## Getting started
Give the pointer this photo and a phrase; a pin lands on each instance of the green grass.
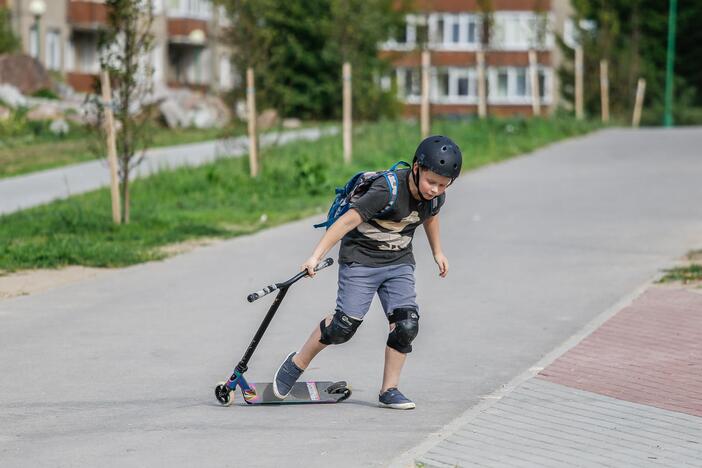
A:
(30, 153)
(685, 274)
(220, 200)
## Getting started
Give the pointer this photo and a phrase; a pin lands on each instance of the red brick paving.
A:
(648, 353)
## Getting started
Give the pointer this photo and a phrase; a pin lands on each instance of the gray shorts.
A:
(358, 284)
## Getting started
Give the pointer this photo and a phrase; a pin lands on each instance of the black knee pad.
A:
(340, 329)
(406, 329)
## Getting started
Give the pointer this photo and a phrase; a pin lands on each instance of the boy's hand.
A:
(309, 265)
(442, 263)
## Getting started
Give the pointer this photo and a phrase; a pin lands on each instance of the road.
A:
(119, 370)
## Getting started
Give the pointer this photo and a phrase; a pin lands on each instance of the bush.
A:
(46, 94)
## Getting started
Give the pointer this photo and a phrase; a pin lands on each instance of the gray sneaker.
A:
(285, 377)
(393, 398)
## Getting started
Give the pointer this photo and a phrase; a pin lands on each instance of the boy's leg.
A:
(394, 360)
(397, 295)
(311, 348)
(357, 286)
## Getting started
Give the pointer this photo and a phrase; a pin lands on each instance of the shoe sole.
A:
(400, 406)
(275, 379)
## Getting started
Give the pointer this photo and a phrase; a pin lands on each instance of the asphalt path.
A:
(37, 188)
(119, 370)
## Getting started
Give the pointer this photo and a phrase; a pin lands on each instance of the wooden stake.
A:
(111, 146)
(251, 106)
(346, 72)
(535, 93)
(579, 114)
(604, 90)
(482, 90)
(640, 92)
(425, 123)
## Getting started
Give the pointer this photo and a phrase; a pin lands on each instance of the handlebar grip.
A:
(259, 294)
(324, 263)
(274, 287)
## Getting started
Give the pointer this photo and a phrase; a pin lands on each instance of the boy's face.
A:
(431, 184)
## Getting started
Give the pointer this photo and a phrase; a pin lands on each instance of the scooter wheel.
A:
(337, 387)
(224, 395)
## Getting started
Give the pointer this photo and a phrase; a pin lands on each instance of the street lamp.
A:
(669, 62)
(197, 37)
(37, 8)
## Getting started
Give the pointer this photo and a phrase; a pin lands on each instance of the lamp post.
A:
(670, 60)
(37, 8)
(197, 38)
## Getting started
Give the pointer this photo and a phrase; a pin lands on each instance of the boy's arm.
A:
(431, 227)
(350, 220)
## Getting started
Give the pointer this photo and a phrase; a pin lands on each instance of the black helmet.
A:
(440, 155)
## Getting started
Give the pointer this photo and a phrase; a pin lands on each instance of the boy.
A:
(376, 257)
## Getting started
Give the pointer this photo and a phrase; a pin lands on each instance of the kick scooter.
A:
(262, 392)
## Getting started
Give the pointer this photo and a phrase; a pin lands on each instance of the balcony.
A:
(87, 15)
(81, 82)
(179, 29)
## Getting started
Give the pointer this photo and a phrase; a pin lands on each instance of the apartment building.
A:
(451, 30)
(188, 52)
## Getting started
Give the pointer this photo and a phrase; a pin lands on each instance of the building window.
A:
(512, 85)
(191, 8)
(34, 41)
(439, 36)
(408, 82)
(472, 30)
(53, 49)
(521, 78)
(542, 83)
(400, 34)
(462, 83)
(456, 32)
(443, 83)
(413, 32)
(502, 88)
(454, 84)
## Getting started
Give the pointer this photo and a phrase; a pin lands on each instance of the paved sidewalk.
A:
(37, 188)
(629, 394)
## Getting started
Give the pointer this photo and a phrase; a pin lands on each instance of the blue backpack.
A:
(357, 186)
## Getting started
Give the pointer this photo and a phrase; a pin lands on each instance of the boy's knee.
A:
(406, 328)
(339, 329)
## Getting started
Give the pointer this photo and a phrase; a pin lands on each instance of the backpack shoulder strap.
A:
(392, 181)
(400, 163)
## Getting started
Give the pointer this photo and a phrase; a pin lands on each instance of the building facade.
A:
(453, 32)
(188, 50)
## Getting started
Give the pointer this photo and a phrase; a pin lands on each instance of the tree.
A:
(297, 48)
(358, 26)
(632, 36)
(125, 46)
(9, 42)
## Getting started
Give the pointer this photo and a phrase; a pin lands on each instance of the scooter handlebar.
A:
(324, 263)
(274, 287)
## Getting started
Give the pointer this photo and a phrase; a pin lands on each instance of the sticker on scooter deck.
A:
(302, 392)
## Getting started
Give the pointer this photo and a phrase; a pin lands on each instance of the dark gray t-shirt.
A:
(387, 239)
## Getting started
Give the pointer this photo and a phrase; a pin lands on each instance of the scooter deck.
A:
(302, 392)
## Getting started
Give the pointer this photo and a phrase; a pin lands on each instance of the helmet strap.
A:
(415, 177)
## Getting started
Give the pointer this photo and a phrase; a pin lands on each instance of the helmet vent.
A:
(442, 162)
(444, 149)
